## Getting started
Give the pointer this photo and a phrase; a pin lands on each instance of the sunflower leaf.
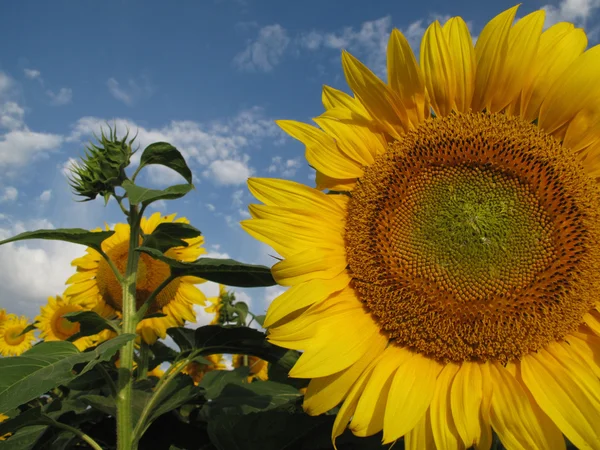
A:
(90, 323)
(170, 234)
(165, 154)
(138, 194)
(80, 236)
(46, 366)
(224, 271)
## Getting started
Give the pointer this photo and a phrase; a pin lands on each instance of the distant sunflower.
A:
(12, 342)
(452, 285)
(3, 315)
(156, 372)
(259, 368)
(95, 280)
(216, 303)
(54, 327)
(197, 370)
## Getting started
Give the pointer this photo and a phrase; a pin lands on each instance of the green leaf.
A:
(170, 234)
(25, 418)
(215, 381)
(224, 271)
(46, 366)
(183, 337)
(161, 353)
(145, 196)
(260, 319)
(80, 236)
(166, 155)
(242, 312)
(90, 323)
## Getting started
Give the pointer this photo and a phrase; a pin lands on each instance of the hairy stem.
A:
(80, 434)
(125, 383)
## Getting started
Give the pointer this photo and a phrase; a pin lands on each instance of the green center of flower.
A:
(475, 238)
(13, 335)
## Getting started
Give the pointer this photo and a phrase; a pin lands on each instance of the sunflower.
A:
(54, 327)
(3, 315)
(197, 370)
(95, 281)
(447, 284)
(259, 368)
(216, 303)
(12, 342)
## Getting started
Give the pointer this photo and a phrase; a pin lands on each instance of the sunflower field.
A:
(442, 277)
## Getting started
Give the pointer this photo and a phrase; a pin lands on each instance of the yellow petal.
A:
(370, 410)
(563, 394)
(297, 217)
(587, 348)
(490, 51)
(512, 414)
(309, 264)
(406, 79)
(383, 104)
(322, 151)
(523, 42)
(460, 45)
(323, 182)
(439, 70)
(357, 142)
(287, 193)
(324, 393)
(410, 396)
(559, 46)
(303, 295)
(443, 429)
(592, 320)
(465, 400)
(420, 437)
(333, 98)
(577, 88)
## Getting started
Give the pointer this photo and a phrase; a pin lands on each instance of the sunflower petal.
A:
(443, 429)
(465, 400)
(462, 51)
(307, 265)
(420, 437)
(333, 98)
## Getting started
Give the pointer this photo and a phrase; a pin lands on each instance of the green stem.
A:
(142, 371)
(80, 434)
(125, 383)
(113, 267)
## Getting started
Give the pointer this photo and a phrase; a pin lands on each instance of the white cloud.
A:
(130, 92)
(284, 168)
(32, 74)
(216, 254)
(19, 147)
(62, 97)
(236, 198)
(228, 172)
(11, 115)
(31, 272)
(6, 83)
(576, 11)
(265, 52)
(65, 168)
(10, 194)
(163, 176)
(210, 207)
(46, 196)
(159, 205)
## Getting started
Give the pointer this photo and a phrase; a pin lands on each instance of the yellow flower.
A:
(12, 343)
(3, 417)
(156, 372)
(197, 370)
(259, 368)
(95, 281)
(453, 287)
(54, 327)
(3, 315)
(216, 305)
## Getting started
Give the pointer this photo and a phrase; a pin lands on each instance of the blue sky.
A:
(210, 77)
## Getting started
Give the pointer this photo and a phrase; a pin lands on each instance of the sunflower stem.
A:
(150, 300)
(125, 382)
(80, 434)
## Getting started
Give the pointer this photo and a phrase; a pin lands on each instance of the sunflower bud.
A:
(103, 167)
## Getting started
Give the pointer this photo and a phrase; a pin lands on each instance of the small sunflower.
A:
(54, 327)
(447, 285)
(12, 342)
(197, 370)
(156, 372)
(3, 315)
(259, 368)
(95, 281)
(216, 303)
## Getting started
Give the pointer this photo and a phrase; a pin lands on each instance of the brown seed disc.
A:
(476, 238)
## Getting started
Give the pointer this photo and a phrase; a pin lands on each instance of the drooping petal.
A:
(587, 348)
(563, 393)
(443, 429)
(410, 396)
(406, 78)
(420, 437)
(465, 400)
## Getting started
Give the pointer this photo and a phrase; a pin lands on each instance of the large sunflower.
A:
(95, 280)
(12, 342)
(449, 284)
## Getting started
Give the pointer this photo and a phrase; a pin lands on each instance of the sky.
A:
(209, 77)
